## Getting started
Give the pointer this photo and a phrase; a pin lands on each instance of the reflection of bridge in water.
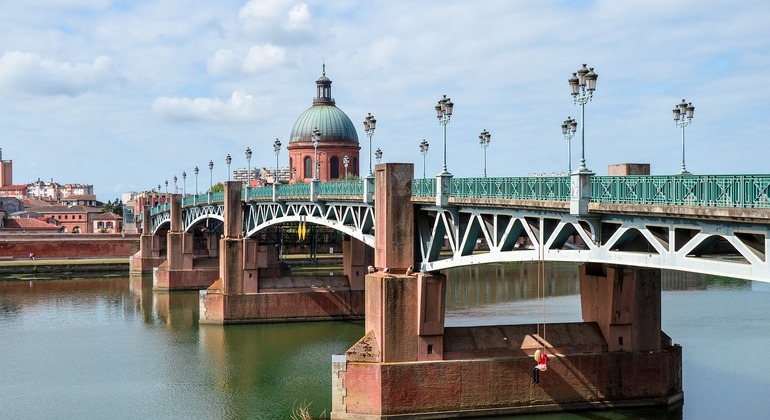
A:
(480, 285)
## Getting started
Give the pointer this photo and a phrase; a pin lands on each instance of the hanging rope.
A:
(542, 314)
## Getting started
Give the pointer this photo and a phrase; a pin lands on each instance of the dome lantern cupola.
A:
(324, 88)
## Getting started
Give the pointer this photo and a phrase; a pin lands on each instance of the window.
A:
(334, 168)
(308, 167)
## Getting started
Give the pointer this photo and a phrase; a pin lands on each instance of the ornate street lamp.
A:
(211, 176)
(683, 114)
(369, 125)
(444, 113)
(184, 184)
(248, 159)
(176, 189)
(316, 138)
(166, 187)
(346, 162)
(378, 155)
(484, 139)
(424, 150)
(582, 86)
(228, 161)
(277, 150)
(568, 128)
(195, 171)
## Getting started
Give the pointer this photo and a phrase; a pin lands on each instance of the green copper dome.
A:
(334, 125)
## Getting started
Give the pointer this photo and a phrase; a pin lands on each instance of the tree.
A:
(218, 187)
(115, 207)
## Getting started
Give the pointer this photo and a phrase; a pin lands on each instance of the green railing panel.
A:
(260, 192)
(342, 188)
(425, 187)
(550, 188)
(295, 190)
(742, 191)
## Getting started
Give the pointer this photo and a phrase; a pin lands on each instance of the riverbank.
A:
(62, 268)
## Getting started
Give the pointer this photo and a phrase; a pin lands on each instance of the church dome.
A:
(332, 122)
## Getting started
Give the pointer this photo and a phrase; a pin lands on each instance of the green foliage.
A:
(115, 207)
(351, 177)
(218, 187)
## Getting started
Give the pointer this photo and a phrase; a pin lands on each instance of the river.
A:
(113, 348)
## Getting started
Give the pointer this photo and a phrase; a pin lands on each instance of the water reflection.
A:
(107, 348)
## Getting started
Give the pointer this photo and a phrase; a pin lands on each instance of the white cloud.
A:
(299, 16)
(29, 73)
(240, 108)
(259, 57)
(270, 17)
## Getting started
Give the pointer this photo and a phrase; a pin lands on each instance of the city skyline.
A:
(126, 95)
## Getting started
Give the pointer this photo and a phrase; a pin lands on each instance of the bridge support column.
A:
(177, 272)
(149, 255)
(625, 303)
(409, 365)
(252, 287)
(356, 257)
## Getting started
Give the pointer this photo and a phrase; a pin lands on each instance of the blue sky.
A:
(127, 94)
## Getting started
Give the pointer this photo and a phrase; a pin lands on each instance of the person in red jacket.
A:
(542, 365)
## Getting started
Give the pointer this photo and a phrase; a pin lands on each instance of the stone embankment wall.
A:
(68, 246)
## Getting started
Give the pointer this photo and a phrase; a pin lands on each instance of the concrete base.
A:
(299, 304)
(583, 377)
(144, 265)
(195, 279)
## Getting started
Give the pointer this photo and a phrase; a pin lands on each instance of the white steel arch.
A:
(448, 238)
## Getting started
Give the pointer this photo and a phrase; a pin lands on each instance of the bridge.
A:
(622, 231)
(711, 224)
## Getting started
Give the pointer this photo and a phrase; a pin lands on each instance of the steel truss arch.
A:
(193, 215)
(352, 218)
(448, 238)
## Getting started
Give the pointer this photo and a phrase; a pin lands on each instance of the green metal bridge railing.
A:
(739, 191)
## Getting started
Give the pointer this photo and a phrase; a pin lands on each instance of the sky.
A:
(125, 94)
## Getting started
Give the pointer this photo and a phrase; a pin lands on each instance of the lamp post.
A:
(683, 114)
(277, 150)
(484, 139)
(316, 137)
(582, 86)
(568, 128)
(369, 125)
(424, 151)
(166, 187)
(293, 172)
(248, 174)
(228, 160)
(184, 184)
(345, 163)
(378, 155)
(176, 189)
(195, 171)
(444, 113)
(211, 176)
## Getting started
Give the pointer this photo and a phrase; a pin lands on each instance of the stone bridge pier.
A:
(410, 365)
(150, 253)
(253, 286)
(182, 269)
